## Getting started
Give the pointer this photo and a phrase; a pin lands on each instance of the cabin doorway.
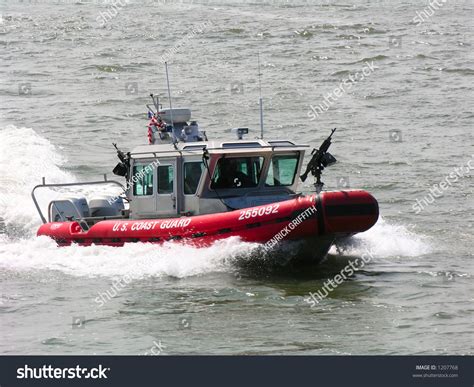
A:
(166, 190)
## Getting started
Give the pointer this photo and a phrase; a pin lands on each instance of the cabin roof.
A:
(225, 146)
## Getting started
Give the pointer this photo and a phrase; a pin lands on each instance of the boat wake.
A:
(21, 250)
(138, 260)
(35, 157)
(384, 240)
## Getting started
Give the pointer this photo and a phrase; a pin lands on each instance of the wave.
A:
(340, 73)
(460, 71)
(369, 59)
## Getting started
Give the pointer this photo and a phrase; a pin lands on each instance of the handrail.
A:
(184, 150)
(44, 185)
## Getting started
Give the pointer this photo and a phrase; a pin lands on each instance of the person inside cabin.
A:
(230, 176)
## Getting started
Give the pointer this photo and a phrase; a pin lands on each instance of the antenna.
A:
(156, 102)
(260, 101)
(169, 97)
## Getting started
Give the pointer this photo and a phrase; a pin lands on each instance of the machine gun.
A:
(320, 159)
(122, 168)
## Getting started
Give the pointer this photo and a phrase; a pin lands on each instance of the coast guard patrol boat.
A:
(185, 188)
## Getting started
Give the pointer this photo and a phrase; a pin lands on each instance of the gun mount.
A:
(320, 159)
(123, 167)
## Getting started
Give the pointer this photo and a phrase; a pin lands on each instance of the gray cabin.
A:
(181, 173)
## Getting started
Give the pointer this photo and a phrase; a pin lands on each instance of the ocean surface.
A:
(75, 77)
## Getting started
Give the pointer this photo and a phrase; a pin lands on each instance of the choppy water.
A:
(69, 87)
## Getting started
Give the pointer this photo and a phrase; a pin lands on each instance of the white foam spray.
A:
(138, 260)
(25, 157)
(385, 240)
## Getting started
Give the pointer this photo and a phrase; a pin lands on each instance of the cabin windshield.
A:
(282, 170)
(237, 172)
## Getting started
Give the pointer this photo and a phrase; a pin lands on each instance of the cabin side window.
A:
(282, 170)
(142, 179)
(237, 172)
(165, 179)
(192, 176)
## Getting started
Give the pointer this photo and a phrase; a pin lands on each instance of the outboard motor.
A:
(68, 208)
(106, 206)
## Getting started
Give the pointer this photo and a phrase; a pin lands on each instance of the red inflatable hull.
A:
(329, 214)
